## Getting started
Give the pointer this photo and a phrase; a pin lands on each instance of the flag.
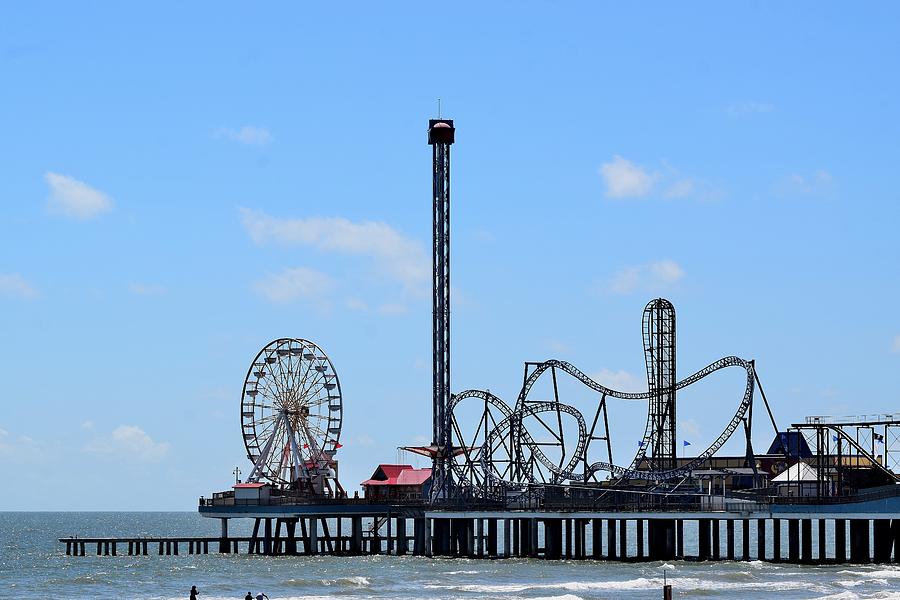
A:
(687, 443)
(338, 445)
(640, 444)
(305, 446)
(879, 438)
(834, 438)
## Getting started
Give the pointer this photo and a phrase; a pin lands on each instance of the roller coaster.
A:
(501, 454)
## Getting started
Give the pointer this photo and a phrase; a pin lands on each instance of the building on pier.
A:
(398, 483)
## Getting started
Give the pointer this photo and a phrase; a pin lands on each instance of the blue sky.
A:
(182, 184)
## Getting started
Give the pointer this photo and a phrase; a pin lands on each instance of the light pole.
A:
(237, 473)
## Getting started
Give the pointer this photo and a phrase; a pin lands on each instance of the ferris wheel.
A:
(291, 413)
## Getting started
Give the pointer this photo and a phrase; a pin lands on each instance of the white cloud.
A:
(3, 432)
(817, 183)
(689, 427)
(624, 179)
(87, 425)
(896, 345)
(146, 289)
(128, 442)
(556, 346)
(650, 277)
(13, 285)
(749, 107)
(401, 257)
(248, 134)
(72, 198)
(621, 381)
(392, 309)
(356, 304)
(300, 283)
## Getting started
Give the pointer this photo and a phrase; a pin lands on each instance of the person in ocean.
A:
(248, 596)
(194, 592)
(260, 596)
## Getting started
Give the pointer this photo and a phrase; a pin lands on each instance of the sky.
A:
(181, 184)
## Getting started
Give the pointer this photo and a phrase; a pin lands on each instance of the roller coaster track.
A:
(526, 408)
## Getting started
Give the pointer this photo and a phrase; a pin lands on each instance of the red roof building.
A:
(397, 482)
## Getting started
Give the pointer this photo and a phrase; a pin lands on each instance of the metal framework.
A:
(513, 448)
(659, 355)
(441, 135)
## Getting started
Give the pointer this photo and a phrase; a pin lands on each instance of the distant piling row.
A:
(516, 534)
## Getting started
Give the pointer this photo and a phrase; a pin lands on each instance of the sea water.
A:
(33, 564)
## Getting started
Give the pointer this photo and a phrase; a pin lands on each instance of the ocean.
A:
(34, 565)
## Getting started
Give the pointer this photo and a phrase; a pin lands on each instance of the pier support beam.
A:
(729, 539)
(224, 543)
(419, 528)
(806, 541)
(623, 539)
(553, 538)
(313, 536)
(440, 538)
(507, 538)
(822, 555)
(776, 540)
(492, 538)
(703, 527)
(793, 541)
(883, 540)
(716, 540)
(745, 539)
(610, 539)
(402, 542)
(661, 535)
(895, 532)
(267, 537)
(679, 539)
(596, 539)
(760, 539)
(355, 536)
(840, 540)
(640, 539)
(859, 540)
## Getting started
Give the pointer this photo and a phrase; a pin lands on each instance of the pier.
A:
(864, 531)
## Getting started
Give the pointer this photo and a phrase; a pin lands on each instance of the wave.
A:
(681, 584)
(350, 581)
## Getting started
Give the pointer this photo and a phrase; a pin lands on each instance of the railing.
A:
(228, 499)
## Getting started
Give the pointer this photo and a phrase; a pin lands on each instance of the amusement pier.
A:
(536, 477)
